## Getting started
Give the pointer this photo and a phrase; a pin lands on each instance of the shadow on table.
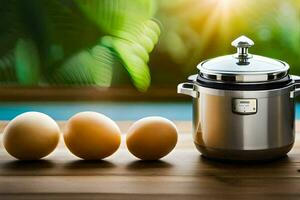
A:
(21, 165)
(145, 164)
(285, 160)
(89, 164)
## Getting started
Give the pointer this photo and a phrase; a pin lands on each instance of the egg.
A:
(31, 136)
(151, 138)
(91, 135)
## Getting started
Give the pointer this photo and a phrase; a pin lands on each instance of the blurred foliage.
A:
(76, 41)
(99, 42)
(194, 30)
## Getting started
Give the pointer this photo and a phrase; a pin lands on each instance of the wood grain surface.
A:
(183, 174)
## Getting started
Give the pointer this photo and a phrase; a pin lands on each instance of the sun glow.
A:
(226, 5)
(228, 8)
(225, 13)
(221, 14)
(208, 25)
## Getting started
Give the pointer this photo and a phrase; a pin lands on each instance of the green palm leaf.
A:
(133, 34)
(7, 70)
(114, 15)
(27, 62)
(133, 62)
(93, 66)
(58, 49)
(133, 50)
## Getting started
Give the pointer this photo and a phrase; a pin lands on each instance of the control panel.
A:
(244, 106)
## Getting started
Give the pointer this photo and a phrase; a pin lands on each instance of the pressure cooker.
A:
(243, 105)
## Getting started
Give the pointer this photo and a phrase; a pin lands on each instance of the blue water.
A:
(116, 110)
(297, 111)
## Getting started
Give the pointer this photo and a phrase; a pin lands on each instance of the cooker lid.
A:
(242, 66)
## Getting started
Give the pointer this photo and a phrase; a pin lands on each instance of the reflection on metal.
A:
(188, 89)
(242, 44)
(218, 128)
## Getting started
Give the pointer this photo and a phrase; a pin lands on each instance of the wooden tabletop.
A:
(183, 174)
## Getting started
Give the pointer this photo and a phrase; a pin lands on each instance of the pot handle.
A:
(296, 91)
(193, 77)
(188, 89)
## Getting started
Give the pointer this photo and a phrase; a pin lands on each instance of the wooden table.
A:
(183, 174)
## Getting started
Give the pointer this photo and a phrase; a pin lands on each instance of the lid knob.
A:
(242, 44)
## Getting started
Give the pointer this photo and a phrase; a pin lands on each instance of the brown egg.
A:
(151, 138)
(31, 136)
(91, 135)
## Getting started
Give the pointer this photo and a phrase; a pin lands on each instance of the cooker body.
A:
(243, 105)
(243, 125)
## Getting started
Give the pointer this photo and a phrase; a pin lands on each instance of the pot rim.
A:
(264, 85)
(245, 93)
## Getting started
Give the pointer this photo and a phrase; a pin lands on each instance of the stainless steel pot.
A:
(243, 105)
